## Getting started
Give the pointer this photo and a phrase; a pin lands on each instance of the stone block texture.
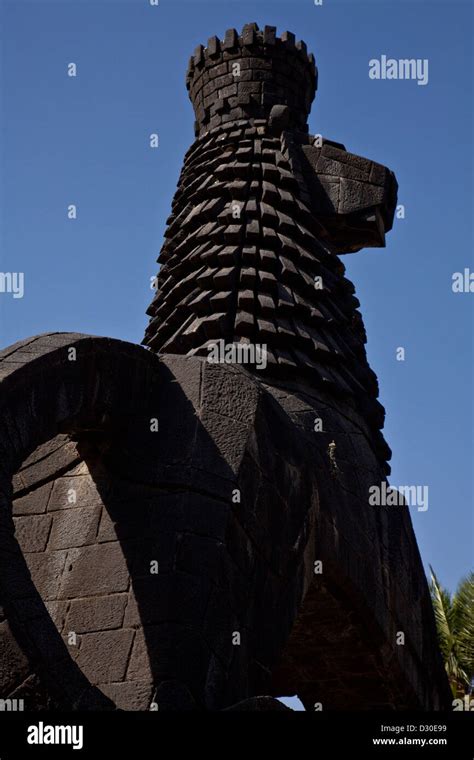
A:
(180, 533)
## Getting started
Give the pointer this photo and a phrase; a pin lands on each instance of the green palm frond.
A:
(442, 611)
(454, 616)
(463, 616)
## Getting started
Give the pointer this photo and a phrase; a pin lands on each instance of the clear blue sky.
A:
(85, 141)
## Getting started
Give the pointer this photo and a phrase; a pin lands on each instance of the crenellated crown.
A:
(244, 76)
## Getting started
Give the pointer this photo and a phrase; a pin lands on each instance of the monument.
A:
(187, 526)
